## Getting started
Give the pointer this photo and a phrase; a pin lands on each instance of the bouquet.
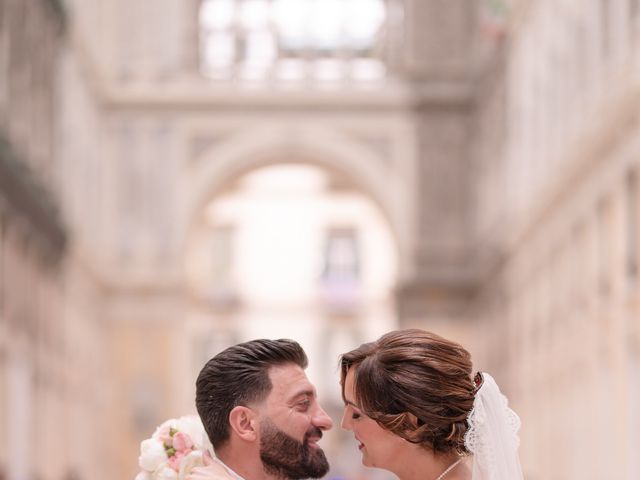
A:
(175, 448)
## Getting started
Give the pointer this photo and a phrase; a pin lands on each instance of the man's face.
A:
(291, 424)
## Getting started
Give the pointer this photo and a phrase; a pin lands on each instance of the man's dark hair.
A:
(239, 375)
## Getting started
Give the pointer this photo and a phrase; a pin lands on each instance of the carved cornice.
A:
(24, 196)
(434, 297)
(198, 95)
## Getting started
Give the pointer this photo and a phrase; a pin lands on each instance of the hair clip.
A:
(478, 380)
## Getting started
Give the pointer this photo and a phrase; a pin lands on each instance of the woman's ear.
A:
(243, 422)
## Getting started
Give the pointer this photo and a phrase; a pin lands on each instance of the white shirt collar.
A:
(231, 472)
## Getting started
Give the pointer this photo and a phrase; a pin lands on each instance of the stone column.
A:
(436, 63)
(191, 37)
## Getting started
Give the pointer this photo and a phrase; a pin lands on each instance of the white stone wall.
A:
(558, 312)
(46, 377)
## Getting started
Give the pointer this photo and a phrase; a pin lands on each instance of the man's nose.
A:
(322, 420)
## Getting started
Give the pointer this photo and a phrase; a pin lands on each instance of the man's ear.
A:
(244, 422)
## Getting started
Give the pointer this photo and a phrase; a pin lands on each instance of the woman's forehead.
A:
(348, 391)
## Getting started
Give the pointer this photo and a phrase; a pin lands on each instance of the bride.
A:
(415, 410)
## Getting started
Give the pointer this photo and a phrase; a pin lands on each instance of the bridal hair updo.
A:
(415, 384)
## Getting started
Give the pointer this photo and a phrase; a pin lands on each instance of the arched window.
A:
(293, 40)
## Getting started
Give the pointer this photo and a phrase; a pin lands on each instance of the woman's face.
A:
(379, 447)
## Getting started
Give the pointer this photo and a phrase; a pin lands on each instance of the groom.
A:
(261, 413)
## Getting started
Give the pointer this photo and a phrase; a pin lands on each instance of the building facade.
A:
(494, 144)
(556, 190)
(50, 356)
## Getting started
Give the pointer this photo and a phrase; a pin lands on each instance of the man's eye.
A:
(304, 405)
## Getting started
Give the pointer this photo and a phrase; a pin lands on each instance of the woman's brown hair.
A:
(415, 384)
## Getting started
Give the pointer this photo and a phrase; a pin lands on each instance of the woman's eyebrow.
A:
(349, 402)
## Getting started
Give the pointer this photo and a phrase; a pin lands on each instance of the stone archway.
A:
(373, 174)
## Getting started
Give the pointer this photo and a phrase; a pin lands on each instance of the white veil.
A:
(492, 437)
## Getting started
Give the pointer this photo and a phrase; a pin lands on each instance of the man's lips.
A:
(313, 441)
(313, 436)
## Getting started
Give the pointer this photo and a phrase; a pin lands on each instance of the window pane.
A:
(263, 35)
(328, 69)
(261, 49)
(291, 69)
(364, 19)
(254, 14)
(367, 69)
(216, 14)
(326, 28)
(219, 50)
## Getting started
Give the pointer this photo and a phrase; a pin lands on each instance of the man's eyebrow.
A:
(303, 393)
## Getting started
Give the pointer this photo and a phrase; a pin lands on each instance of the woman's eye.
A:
(355, 416)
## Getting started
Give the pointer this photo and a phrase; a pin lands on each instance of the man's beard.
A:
(285, 457)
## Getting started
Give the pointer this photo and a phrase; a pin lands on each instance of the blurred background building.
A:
(180, 175)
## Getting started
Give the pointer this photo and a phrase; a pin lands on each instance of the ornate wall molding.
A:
(25, 196)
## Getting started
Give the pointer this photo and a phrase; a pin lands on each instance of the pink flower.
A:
(182, 443)
(174, 450)
(164, 435)
(174, 461)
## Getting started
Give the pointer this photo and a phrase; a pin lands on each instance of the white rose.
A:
(188, 463)
(143, 476)
(171, 423)
(192, 426)
(165, 473)
(152, 455)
